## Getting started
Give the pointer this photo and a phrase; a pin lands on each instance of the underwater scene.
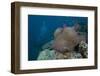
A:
(57, 37)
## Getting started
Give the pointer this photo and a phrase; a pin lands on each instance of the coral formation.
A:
(63, 45)
(83, 47)
(47, 54)
(50, 54)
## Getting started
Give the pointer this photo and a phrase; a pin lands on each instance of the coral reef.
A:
(64, 45)
(83, 49)
(47, 54)
(50, 54)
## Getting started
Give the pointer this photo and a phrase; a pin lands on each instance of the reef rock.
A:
(53, 54)
(83, 49)
(47, 55)
(50, 54)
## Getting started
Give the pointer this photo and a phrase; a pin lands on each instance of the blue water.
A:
(42, 27)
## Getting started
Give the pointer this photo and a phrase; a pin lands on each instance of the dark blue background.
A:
(42, 27)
